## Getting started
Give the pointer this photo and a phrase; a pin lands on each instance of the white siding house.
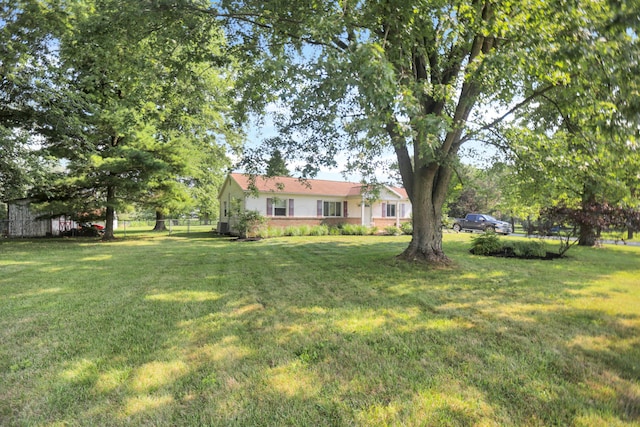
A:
(291, 201)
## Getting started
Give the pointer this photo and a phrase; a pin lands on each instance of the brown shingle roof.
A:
(319, 187)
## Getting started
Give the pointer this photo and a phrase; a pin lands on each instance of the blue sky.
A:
(475, 153)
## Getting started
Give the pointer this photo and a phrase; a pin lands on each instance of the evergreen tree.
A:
(276, 165)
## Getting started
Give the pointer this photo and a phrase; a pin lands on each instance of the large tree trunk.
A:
(161, 223)
(426, 177)
(427, 198)
(587, 236)
(111, 213)
(426, 243)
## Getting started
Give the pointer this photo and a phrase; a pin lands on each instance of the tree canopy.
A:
(137, 98)
(578, 145)
(417, 79)
(26, 69)
(138, 105)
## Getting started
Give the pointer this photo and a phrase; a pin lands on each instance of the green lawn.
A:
(191, 329)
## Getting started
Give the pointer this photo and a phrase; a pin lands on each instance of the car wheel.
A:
(456, 228)
(490, 230)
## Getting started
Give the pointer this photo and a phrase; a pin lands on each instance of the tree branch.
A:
(404, 160)
(521, 104)
(252, 18)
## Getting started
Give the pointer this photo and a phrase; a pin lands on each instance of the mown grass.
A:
(191, 329)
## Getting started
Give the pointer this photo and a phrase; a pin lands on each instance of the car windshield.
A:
(489, 218)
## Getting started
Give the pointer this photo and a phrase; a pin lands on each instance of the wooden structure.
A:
(23, 222)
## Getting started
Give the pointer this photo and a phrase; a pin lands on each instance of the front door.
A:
(366, 215)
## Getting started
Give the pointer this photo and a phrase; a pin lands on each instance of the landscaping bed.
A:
(488, 244)
(509, 252)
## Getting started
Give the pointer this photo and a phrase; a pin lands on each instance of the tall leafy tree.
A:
(578, 145)
(146, 94)
(27, 69)
(410, 78)
(476, 190)
(22, 166)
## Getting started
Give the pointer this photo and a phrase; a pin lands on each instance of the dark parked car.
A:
(559, 229)
(481, 222)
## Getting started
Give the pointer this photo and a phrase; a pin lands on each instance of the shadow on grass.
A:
(328, 332)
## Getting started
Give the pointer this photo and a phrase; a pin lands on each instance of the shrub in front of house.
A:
(334, 231)
(305, 230)
(319, 230)
(407, 228)
(392, 230)
(293, 230)
(267, 232)
(250, 223)
(263, 233)
(354, 230)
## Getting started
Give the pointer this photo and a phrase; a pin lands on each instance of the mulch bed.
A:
(508, 253)
(246, 239)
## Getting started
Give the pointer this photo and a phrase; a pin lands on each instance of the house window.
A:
(391, 210)
(332, 209)
(280, 207)
(225, 209)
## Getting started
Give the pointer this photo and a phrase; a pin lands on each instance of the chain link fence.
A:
(172, 225)
(58, 228)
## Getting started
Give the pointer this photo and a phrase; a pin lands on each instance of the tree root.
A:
(428, 257)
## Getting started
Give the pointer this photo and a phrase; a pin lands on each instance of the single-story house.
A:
(289, 201)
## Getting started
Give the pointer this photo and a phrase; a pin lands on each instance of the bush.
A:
(304, 230)
(292, 230)
(347, 229)
(354, 230)
(486, 244)
(249, 222)
(267, 232)
(489, 244)
(531, 248)
(407, 228)
(447, 222)
(262, 233)
(319, 230)
(392, 230)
